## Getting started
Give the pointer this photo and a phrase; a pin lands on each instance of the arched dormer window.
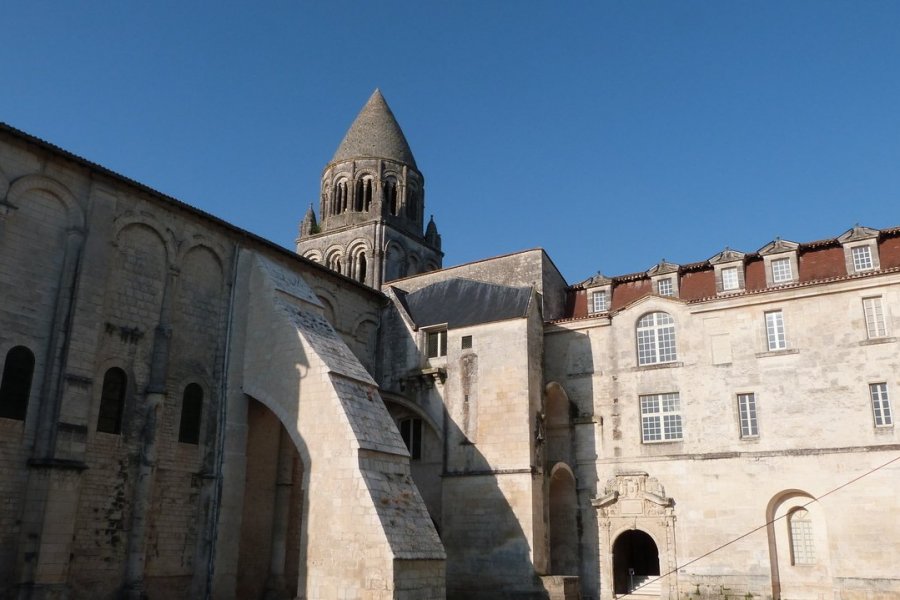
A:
(656, 339)
(339, 204)
(191, 413)
(412, 203)
(392, 196)
(15, 387)
(112, 401)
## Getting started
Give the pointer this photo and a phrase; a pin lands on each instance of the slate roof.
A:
(375, 134)
(462, 302)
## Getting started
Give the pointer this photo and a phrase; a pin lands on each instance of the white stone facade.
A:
(189, 411)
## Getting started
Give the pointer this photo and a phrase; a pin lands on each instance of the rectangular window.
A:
(664, 287)
(599, 302)
(660, 418)
(775, 330)
(747, 411)
(436, 343)
(730, 279)
(411, 432)
(862, 259)
(874, 311)
(466, 342)
(781, 270)
(881, 405)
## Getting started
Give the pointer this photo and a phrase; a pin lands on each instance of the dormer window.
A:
(781, 270)
(780, 260)
(664, 287)
(664, 277)
(862, 258)
(599, 301)
(860, 250)
(728, 266)
(730, 281)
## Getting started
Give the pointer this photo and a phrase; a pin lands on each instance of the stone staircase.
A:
(646, 586)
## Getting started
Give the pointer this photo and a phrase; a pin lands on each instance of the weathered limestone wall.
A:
(97, 272)
(815, 433)
(363, 512)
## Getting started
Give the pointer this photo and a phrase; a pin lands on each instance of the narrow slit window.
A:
(191, 413)
(15, 387)
(112, 401)
(411, 432)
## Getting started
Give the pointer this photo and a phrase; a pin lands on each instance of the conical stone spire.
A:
(375, 134)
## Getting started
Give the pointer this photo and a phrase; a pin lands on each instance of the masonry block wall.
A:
(124, 299)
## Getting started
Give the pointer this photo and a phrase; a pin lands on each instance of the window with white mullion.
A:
(775, 330)
(803, 548)
(599, 301)
(664, 287)
(747, 412)
(881, 405)
(862, 258)
(874, 312)
(656, 339)
(730, 279)
(661, 418)
(781, 270)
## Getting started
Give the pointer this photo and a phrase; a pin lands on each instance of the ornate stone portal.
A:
(634, 501)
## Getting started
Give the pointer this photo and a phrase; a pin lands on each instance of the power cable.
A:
(764, 525)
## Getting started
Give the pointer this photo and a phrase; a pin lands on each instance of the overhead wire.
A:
(755, 529)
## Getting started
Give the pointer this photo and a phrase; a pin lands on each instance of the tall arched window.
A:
(340, 197)
(392, 195)
(412, 203)
(112, 401)
(656, 339)
(363, 199)
(361, 267)
(191, 412)
(15, 387)
(803, 546)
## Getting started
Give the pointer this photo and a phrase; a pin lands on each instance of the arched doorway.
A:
(635, 557)
(563, 522)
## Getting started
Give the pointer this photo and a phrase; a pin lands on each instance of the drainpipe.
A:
(143, 487)
(221, 417)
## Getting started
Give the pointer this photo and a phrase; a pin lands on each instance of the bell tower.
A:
(372, 205)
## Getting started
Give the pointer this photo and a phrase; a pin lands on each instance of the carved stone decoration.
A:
(633, 493)
(634, 500)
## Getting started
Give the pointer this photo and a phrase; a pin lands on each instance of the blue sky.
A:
(612, 134)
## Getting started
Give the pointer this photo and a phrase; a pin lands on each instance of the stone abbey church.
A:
(190, 411)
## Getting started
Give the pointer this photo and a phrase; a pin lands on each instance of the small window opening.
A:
(112, 401)
(15, 387)
(191, 413)
(436, 343)
(411, 432)
(466, 342)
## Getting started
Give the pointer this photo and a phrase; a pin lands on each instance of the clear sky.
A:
(612, 134)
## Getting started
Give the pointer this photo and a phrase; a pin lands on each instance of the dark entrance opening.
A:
(635, 557)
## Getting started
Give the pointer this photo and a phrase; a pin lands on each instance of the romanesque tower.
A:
(372, 205)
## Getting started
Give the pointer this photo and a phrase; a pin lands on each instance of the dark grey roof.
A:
(462, 302)
(375, 134)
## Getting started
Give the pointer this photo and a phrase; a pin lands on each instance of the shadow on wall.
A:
(571, 464)
(489, 554)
